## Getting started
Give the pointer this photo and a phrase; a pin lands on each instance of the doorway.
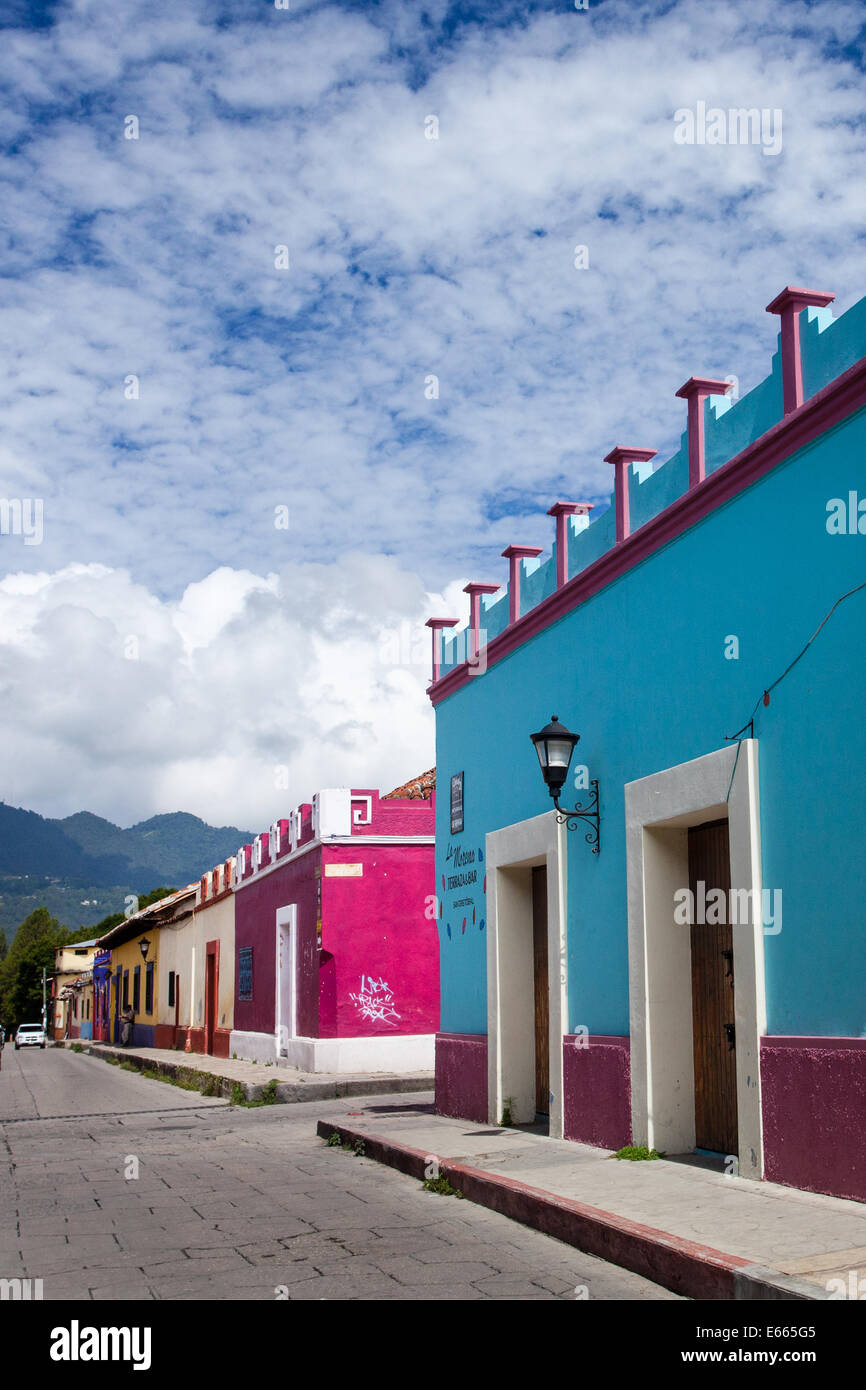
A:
(697, 1014)
(286, 1001)
(713, 1021)
(211, 985)
(541, 991)
(527, 977)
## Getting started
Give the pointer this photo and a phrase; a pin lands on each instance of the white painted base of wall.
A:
(401, 1053)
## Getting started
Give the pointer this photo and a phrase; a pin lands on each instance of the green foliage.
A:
(72, 864)
(506, 1121)
(76, 1047)
(239, 1093)
(334, 1141)
(442, 1186)
(637, 1153)
(32, 950)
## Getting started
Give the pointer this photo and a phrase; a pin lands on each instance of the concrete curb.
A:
(213, 1083)
(685, 1267)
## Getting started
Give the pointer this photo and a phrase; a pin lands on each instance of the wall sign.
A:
(344, 871)
(457, 804)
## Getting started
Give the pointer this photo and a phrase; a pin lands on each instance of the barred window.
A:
(245, 973)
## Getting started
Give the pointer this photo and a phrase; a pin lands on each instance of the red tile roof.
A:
(420, 788)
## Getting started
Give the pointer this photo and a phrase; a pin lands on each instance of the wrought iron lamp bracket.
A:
(589, 814)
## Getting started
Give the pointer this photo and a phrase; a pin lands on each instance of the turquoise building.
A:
(695, 978)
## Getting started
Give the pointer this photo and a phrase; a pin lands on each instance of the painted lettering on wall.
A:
(375, 1001)
(464, 870)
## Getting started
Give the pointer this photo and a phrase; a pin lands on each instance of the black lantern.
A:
(554, 745)
(144, 946)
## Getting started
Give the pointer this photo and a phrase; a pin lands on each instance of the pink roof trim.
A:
(828, 407)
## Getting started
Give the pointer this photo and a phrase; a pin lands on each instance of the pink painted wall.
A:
(255, 925)
(376, 933)
(596, 1079)
(813, 1094)
(397, 817)
(461, 1076)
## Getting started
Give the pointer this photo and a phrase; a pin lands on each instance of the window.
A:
(126, 989)
(148, 987)
(136, 989)
(88, 1008)
(245, 973)
(171, 989)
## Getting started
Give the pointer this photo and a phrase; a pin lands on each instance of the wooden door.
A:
(210, 1001)
(713, 992)
(542, 992)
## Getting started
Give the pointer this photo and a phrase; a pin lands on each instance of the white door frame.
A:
(511, 855)
(659, 811)
(286, 1019)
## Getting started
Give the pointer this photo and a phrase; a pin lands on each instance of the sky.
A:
(294, 343)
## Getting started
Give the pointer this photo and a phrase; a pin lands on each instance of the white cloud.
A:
(305, 388)
(129, 705)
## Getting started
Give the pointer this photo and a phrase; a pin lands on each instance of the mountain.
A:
(83, 866)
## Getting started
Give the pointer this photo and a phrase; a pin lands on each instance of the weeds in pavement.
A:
(442, 1186)
(268, 1095)
(637, 1153)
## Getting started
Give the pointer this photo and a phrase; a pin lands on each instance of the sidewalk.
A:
(697, 1232)
(218, 1076)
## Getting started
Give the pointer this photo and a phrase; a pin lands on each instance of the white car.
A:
(30, 1035)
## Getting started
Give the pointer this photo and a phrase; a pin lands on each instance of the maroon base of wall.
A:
(596, 1080)
(461, 1075)
(814, 1108)
(165, 1037)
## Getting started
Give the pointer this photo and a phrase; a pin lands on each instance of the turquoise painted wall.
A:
(639, 670)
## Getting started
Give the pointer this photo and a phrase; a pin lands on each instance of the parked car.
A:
(30, 1035)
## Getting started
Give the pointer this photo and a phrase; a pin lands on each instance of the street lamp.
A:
(144, 946)
(554, 745)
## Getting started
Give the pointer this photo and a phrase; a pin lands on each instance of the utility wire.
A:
(765, 697)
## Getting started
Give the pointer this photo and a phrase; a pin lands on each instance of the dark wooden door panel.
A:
(713, 994)
(542, 993)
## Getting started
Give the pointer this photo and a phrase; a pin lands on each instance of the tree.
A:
(32, 950)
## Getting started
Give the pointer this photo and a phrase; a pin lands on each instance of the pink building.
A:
(336, 942)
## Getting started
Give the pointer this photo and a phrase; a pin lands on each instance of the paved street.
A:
(235, 1203)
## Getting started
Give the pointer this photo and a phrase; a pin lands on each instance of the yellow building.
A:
(135, 966)
(71, 1012)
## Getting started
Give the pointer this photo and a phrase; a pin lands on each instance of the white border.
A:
(286, 917)
(511, 854)
(401, 1053)
(659, 810)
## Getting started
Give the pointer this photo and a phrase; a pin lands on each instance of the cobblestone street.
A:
(116, 1186)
